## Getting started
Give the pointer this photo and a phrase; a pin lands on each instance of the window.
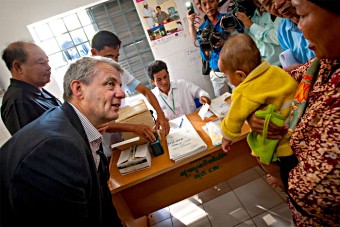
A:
(67, 37)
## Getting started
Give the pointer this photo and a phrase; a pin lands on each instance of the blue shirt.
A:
(290, 37)
(215, 53)
(264, 33)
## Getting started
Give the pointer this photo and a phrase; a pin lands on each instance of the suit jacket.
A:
(49, 177)
(23, 103)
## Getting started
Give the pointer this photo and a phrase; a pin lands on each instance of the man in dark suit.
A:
(53, 171)
(26, 99)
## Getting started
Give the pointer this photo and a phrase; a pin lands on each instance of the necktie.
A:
(109, 213)
(103, 168)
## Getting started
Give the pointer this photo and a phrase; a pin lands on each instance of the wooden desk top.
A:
(163, 163)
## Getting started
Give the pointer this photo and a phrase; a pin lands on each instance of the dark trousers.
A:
(286, 164)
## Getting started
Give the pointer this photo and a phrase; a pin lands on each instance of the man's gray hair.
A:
(84, 70)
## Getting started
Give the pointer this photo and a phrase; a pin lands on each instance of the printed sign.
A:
(160, 18)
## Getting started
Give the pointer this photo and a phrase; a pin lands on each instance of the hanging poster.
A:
(160, 18)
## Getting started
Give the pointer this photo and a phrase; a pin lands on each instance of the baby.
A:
(258, 84)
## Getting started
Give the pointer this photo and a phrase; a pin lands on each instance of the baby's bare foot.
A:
(275, 182)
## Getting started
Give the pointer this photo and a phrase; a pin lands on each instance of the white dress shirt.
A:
(180, 99)
(93, 135)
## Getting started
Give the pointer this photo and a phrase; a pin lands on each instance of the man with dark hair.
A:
(161, 16)
(107, 44)
(175, 97)
(212, 24)
(26, 99)
(53, 171)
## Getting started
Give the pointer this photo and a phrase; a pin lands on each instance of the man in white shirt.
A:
(147, 14)
(176, 98)
(262, 27)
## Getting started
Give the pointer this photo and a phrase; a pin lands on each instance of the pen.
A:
(180, 124)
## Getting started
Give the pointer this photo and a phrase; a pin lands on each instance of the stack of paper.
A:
(134, 159)
(220, 105)
(214, 131)
(183, 140)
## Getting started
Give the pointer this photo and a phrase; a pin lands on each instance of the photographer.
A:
(212, 32)
(194, 20)
(262, 27)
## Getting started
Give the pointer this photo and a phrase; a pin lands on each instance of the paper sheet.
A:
(203, 111)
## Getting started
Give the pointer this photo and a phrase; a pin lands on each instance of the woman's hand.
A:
(274, 131)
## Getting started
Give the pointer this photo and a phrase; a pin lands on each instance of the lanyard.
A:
(173, 102)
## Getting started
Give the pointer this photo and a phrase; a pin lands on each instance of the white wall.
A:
(15, 15)
(180, 54)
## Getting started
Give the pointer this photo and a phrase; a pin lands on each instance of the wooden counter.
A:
(166, 182)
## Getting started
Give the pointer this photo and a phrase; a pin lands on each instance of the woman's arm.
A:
(256, 125)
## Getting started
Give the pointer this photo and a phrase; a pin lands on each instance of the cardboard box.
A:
(134, 159)
(135, 114)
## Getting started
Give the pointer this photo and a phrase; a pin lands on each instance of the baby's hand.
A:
(226, 145)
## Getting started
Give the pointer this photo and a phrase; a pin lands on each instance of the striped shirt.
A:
(93, 135)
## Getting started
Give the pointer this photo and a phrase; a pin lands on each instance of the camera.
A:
(156, 146)
(209, 38)
(230, 20)
(190, 7)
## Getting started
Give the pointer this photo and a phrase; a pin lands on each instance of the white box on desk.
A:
(137, 113)
(134, 159)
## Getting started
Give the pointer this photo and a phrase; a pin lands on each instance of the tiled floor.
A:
(245, 200)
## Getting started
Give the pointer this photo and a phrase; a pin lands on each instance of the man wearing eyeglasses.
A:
(25, 99)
